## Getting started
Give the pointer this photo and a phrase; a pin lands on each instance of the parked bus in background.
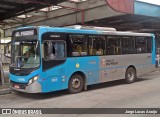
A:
(46, 59)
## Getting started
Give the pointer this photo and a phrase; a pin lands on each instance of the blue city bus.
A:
(46, 59)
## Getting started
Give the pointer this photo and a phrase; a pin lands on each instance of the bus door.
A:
(53, 57)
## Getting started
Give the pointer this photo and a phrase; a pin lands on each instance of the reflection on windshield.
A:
(25, 54)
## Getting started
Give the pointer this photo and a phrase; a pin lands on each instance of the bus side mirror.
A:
(7, 51)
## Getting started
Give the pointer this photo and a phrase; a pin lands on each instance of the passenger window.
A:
(140, 45)
(97, 45)
(127, 45)
(54, 50)
(113, 45)
(77, 45)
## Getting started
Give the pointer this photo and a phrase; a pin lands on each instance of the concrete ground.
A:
(145, 93)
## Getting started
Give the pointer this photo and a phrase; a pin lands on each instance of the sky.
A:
(151, 1)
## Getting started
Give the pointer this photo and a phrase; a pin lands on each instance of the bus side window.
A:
(141, 46)
(47, 50)
(53, 50)
(97, 45)
(77, 45)
(113, 45)
(59, 50)
(127, 45)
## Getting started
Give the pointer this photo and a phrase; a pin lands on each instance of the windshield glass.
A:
(25, 54)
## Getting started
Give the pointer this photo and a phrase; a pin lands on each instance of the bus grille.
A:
(21, 85)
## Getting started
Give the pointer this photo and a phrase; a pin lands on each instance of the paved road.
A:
(145, 93)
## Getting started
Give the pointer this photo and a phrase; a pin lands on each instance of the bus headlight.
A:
(33, 80)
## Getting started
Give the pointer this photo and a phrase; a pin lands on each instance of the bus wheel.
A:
(130, 75)
(76, 84)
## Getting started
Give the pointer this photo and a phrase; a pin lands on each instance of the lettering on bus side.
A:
(106, 62)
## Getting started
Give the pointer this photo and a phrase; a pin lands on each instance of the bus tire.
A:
(76, 84)
(130, 75)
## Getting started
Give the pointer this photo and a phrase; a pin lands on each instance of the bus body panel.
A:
(58, 77)
(114, 67)
(143, 63)
(53, 78)
(153, 50)
(87, 65)
(22, 82)
(24, 79)
(97, 69)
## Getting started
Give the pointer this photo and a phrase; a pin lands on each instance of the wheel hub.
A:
(76, 83)
(130, 75)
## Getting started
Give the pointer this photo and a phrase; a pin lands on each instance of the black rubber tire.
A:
(78, 89)
(130, 75)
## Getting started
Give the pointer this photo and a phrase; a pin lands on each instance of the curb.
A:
(5, 91)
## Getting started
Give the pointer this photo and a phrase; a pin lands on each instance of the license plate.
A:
(16, 86)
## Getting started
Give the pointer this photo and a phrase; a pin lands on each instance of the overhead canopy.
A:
(130, 22)
(12, 8)
(137, 15)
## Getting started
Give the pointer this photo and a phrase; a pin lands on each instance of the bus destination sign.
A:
(30, 32)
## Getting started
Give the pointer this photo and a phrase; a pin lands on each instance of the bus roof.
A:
(111, 31)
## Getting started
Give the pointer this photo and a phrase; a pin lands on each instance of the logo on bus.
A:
(21, 79)
(109, 62)
(77, 65)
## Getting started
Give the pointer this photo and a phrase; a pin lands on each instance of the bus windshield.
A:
(25, 54)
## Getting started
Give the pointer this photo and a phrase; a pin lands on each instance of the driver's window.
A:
(53, 50)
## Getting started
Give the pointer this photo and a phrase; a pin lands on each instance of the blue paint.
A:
(147, 9)
(153, 50)
(58, 77)
(69, 30)
(16, 78)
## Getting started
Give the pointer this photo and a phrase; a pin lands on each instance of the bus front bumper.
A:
(32, 88)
